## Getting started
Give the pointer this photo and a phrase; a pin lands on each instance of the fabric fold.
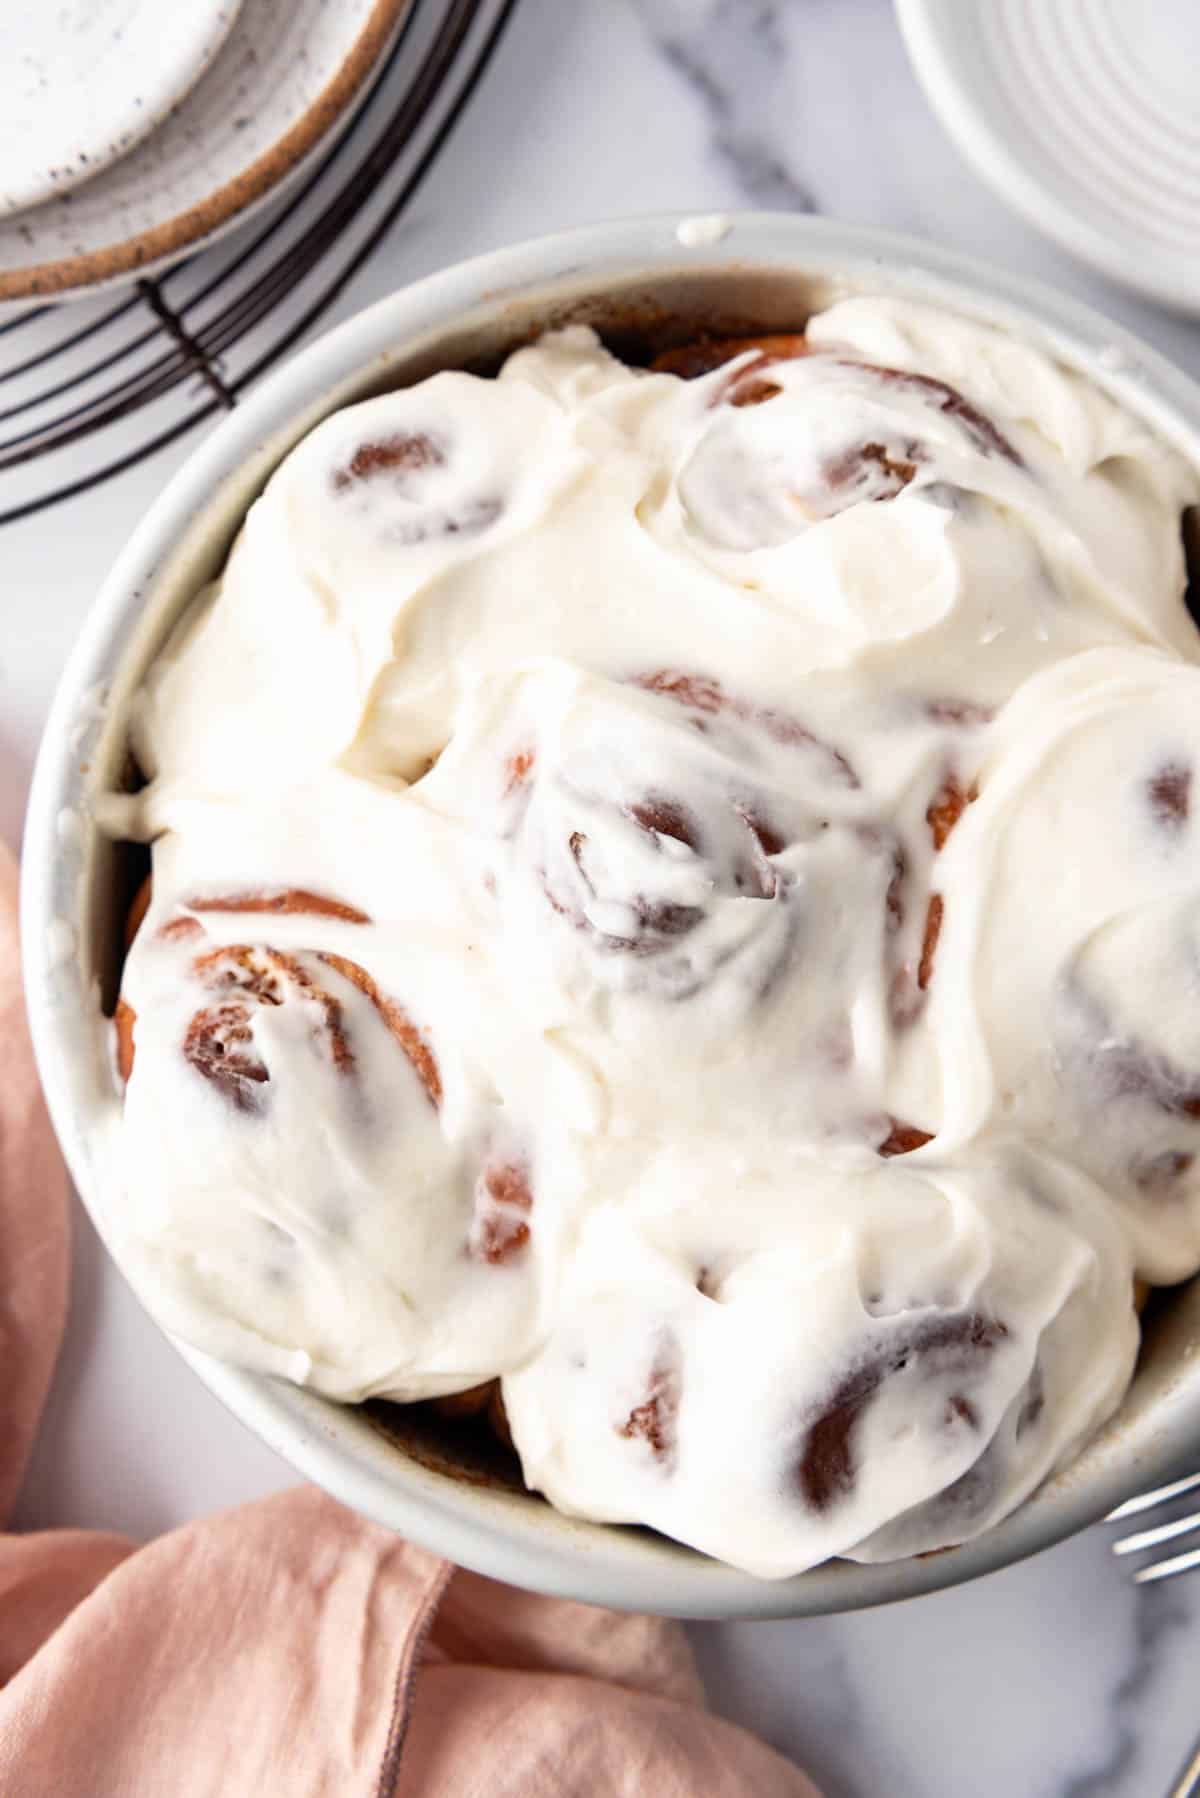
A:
(34, 1237)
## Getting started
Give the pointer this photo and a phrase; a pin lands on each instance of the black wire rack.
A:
(181, 347)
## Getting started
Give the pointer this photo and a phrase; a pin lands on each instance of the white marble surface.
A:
(1052, 1680)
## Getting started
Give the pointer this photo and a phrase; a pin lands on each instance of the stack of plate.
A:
(131, 131)
(88, 389)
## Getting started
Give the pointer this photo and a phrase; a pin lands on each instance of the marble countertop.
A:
(1051, 1680)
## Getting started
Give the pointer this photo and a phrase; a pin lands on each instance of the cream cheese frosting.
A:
(680, 896)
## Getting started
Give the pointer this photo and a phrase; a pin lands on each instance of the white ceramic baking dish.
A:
(645, 282)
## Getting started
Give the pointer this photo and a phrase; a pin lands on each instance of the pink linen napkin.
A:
(291, 1649)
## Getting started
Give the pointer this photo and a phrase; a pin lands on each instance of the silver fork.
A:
(1187, 1783)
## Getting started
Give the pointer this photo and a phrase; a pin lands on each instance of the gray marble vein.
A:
(729, 53)
(1161, 1612)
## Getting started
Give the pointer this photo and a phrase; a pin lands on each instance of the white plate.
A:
(83, 81)
(1085, 116)
(288, 74)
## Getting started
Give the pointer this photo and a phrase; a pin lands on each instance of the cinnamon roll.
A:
(265, 1055)
(1089, 780)
(964, 1330)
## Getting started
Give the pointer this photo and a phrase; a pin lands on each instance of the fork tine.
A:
(1163, 1532)
(1164, 1569)
(1146, 1500)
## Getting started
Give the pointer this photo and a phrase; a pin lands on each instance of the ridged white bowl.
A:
(1083, 115)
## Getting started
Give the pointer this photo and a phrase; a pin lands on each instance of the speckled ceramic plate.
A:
(83, 81)
(286, 77)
